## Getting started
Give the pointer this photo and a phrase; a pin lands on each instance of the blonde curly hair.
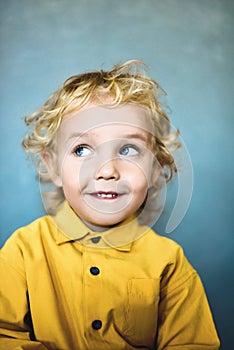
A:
(124, 83)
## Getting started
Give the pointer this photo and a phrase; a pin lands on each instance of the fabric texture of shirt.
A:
(64, 287)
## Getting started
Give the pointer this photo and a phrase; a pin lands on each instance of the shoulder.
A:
(30, 234)
(163, 255)
(28, 243)
(157, 244)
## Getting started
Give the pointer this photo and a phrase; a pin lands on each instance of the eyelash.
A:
(75, 149)
(135, 148)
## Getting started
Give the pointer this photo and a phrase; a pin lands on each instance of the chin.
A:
(103, 225)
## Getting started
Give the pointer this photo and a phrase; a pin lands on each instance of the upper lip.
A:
(104, 192)
(114, 190)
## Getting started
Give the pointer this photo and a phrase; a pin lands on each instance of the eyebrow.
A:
(139, 136)
(75, 135)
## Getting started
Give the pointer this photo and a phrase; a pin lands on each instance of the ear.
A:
(50, 163)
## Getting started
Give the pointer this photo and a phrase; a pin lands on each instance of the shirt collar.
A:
(71, 228)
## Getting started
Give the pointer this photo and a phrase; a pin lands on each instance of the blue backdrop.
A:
(188, 45)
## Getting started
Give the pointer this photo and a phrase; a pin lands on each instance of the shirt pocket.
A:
(141, 313)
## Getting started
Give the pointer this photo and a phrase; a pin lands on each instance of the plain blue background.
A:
(188, 45)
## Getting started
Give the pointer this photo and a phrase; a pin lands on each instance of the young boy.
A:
(90, 275)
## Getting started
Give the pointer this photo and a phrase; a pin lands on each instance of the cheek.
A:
(139, 187)
(138, 178)
(69, 173)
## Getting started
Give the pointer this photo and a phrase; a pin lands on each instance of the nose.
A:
(108, 171)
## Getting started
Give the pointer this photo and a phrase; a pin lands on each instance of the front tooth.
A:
(103, 195)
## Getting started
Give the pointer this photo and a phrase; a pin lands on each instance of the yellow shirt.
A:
(66, 288)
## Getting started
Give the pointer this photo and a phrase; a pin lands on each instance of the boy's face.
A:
(105, 163)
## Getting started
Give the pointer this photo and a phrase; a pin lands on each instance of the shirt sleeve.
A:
(16, 332)
(185, 320)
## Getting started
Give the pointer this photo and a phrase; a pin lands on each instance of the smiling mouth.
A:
(106, 195)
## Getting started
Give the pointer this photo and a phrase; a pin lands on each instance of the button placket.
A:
(94, 318)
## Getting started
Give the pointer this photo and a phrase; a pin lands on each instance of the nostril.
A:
(106, 178)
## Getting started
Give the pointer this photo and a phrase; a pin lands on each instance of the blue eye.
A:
(129, 151)
(82, 151)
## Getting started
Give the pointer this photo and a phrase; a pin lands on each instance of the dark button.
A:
(95, 239)
(97, 324)
(94, 270)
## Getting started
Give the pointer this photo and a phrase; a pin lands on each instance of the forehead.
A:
(99, 117)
